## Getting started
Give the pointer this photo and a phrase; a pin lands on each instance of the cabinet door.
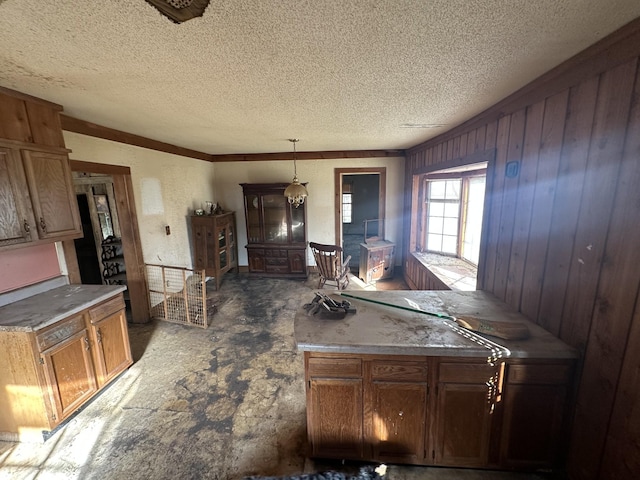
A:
(398, 421)
(112, 350)
(463, 415)
(297, 262)
(334, 417)
(256, 260)
(534, 405)
(16, 217)
(69, 374)
(52, 194)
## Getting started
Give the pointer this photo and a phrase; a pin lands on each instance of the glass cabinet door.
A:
(297, 224)
(275, 218)
(222, 244)
(253, 219)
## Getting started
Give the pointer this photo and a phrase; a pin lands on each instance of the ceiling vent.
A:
(180, 10)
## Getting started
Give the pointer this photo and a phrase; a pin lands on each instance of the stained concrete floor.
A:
(220, 403)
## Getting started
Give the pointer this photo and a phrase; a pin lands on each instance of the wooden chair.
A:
(331, 265)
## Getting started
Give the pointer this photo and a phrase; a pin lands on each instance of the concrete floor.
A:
(221, 403)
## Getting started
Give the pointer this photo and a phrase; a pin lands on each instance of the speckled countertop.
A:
(38, 311)
(383, 330)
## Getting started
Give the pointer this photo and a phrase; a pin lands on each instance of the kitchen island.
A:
(391, 385)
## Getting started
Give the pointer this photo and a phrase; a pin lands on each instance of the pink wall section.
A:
(26, 266)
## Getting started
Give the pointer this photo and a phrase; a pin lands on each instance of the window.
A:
(451, 213)
(346, 208)
(443, 214)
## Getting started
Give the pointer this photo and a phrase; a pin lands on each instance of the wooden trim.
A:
(71, 259)
(338, 173)
(83, 127)
(34, 147)
(29, 98)
(326, 155)
(132, 248)
(129, 230)
(617, 48)
(103, 168)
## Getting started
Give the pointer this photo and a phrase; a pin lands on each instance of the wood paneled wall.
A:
(562, 239)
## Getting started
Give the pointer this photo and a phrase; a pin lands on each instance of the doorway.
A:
(109, 193)
(360, 198)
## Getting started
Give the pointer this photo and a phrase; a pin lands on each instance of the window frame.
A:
(423, 202)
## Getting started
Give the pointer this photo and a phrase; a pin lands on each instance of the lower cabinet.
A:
(445, 411)
(51, 372)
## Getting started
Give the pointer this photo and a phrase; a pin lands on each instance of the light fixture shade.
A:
(296, 193)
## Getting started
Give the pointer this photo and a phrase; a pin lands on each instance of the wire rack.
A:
(179, 295)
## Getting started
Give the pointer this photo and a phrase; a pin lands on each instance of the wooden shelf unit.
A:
(215, 249)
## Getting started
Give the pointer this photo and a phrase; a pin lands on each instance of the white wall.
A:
(319, 176)
(185, 184)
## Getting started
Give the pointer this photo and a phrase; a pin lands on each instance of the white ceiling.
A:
(249, 74)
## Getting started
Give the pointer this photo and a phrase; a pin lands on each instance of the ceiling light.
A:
(180, 10)
(295, 193)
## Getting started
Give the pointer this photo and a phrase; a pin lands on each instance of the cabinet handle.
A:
(27, 228)
(86, 343)
(99, 335)
(43, 225)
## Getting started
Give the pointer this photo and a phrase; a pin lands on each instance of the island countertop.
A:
(382, 330)
(44, 309)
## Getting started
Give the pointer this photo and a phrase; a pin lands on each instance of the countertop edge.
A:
(429, 351)
(110, 291)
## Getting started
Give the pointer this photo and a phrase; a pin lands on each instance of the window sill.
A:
(456, 273)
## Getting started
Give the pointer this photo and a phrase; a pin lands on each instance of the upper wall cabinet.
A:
(37, 198)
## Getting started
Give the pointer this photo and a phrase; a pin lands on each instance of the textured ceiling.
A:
(249, 74)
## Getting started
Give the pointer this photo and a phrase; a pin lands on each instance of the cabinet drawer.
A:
(335, 367)
(277, 268)
(399, 371)
(106, 308)
(276, 261)
(539, 374)
(59, 332)
(465, 373)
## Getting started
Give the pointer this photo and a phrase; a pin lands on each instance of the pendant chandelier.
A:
(295, 193)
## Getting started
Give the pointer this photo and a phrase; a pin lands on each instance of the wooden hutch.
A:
(276, 231)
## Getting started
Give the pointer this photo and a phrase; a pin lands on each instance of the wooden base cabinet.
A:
(436, 410)
(51, 372)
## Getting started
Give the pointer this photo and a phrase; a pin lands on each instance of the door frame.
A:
(131, 244)
(338, 173)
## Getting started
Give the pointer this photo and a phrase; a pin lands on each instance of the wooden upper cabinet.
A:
(17, 224)
(30, 120)
(14, 121)
(37, 197)
(52, 194)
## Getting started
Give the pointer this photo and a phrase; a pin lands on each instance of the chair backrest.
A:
(328, 259)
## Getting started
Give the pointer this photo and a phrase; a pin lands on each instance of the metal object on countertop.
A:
(328, 308)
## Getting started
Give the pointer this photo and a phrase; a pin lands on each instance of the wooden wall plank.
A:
(605, 151)
(566, 207)
(493, 202)
(463, 144)
(621, 457)
(592, 412)
(555, 115)
(508, 211)
(471, 142)
(480, 139)
(524, 201)
(490, 144)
